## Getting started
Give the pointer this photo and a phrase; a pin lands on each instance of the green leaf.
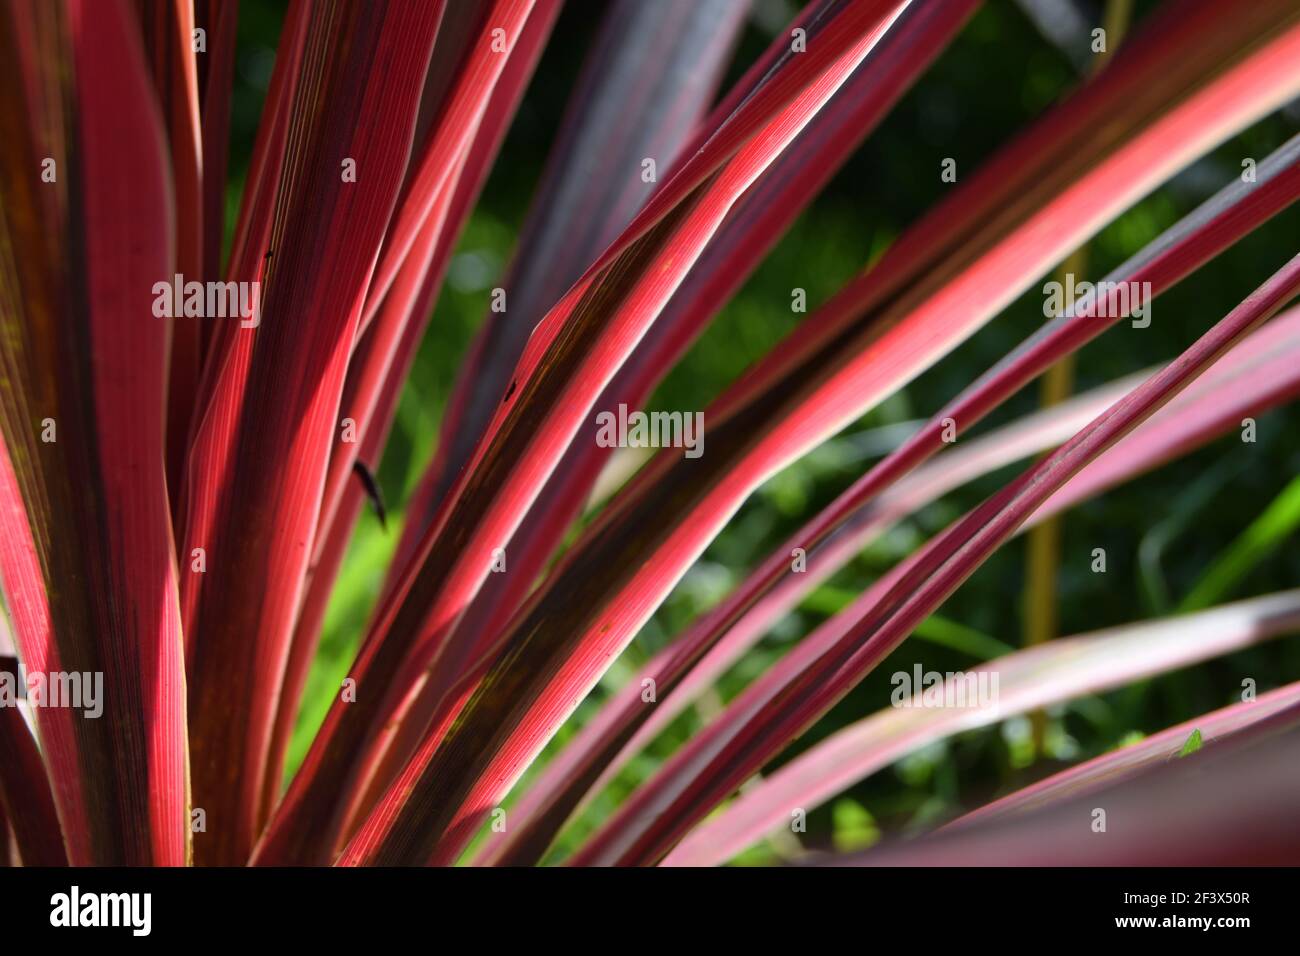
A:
(854, 826)
(1254, 545)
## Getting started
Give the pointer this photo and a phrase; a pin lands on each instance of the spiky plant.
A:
(189, 435)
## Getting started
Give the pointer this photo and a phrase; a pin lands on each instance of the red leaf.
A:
(1007, 224)
(219, 18)
(258, 462)
(843, 528)
(462, 114)
(25, 798)
(1049, 673)
(820, 671)
(761, 215)
(167, 30)
(657, 63)
(1109, 768)
(1182, 812)
(569, 359)
(383, 358)
(660, 69)
(88, 561)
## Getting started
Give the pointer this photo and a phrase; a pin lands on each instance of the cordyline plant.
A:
(188, 435)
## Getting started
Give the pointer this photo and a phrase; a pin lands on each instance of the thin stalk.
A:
(1043, 544)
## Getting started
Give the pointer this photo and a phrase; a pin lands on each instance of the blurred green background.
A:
(1161, 532)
